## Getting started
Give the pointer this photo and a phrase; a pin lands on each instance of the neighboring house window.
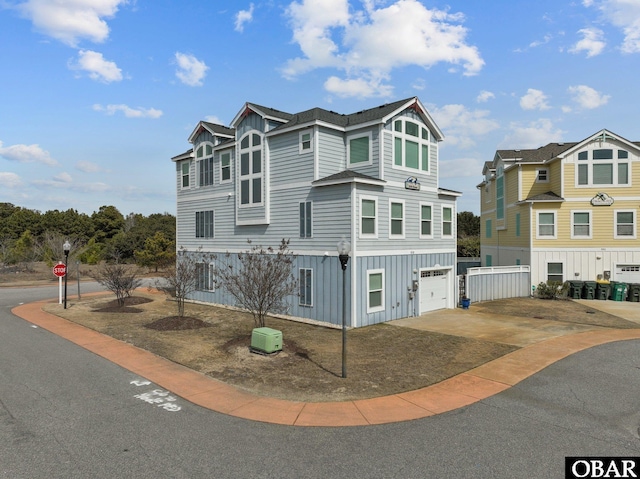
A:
(542, 176)
(396, 219)
(517, 224)
(251, 174)
(625, 227)
(500, 194)
(546, 225)
(602, 168)
(305, 281)
(185, 174)
(368, 217)
(554, 272)
(306, 141)
(359, 150)
(487, 228)
(447, 222)
(581, 224)
(205, 277)
(204, 159)
(410, 145)
(204, 224)
(225, 167)
(305, 219)
(517, 261)
(375, 292)
(426, 217)
(488, 260)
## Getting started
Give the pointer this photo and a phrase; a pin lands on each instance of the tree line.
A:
(106, 235)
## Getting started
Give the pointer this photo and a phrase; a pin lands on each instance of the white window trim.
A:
(615, 225)
(300, 303)
(546, 270)
(211, 287)
(182, 175)
(590, 235)
(404, 219)
(222, 182)
(251, 176)
(615, 161)
(376, 224)
(375, 309)
(355, 137)
(213, 224)
(453, 225)
(424, 203)
(417, 139)
(308, 131)
(546, 175)
(555, 226)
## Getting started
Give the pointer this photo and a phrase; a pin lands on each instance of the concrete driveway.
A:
(517, 331)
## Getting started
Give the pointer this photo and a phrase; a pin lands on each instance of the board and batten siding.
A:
(398, 277)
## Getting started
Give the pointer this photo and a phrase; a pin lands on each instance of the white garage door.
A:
(628, 273)
(433, 290)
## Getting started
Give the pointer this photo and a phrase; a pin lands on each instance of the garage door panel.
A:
(628, 273)
(433, 290)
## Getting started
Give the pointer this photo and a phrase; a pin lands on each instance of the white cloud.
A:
(588, 98)
(89, 167)
(10, 180)
(625, 15)
(534, 100)
(546, 39)
(532, 135)
(484, 96)
(242, 17)
(460, 126)
(191, 71)
(459, 167)
(357, 87)
(128, 111)
(27, 154)
(97, 67)
(591, 42)
(406, 31)
(63, 178)
(213, 119)
(70, 21)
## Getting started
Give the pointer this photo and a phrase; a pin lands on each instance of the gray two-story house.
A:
(315, 177)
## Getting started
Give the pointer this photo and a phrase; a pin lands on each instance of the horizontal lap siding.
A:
(286, 164)
(332, 152)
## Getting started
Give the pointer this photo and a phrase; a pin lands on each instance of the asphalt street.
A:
(67, 413)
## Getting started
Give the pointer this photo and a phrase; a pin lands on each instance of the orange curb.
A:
(453, 393)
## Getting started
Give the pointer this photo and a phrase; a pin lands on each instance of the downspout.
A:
(354, 257)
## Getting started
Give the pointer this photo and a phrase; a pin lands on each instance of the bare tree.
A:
(119, 279)
(187, 275)
(260, 280)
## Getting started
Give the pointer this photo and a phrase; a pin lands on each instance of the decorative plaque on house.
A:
(602, 199)
(412, 183)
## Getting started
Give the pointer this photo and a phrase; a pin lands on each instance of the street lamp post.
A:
(66, 247)
(344, 248)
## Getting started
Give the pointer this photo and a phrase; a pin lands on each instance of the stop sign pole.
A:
(60, 270)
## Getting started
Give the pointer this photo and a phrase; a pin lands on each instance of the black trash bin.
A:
(634, 293)
(602, 290)
(575, 289)
(589, 290)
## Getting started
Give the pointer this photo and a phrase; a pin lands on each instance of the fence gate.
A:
(499, 282)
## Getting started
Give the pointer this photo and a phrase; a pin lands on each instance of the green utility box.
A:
(618, 291)
(575, 289)
(603, 290)
(266, 340)
(634, 293)
(589, 290)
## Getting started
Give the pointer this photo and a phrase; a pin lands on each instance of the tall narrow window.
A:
(517, 224)
(306, 143)
(447, 221)
(396, 219)
(305, 282)
(426, 230)
(500, 194)
(204, 158)
(368, 218)
(225, 167)
(487, 227)
(251, 170)
(305, 219)
(375, 293)
(205, 277)
(185, 174)
(204, 224)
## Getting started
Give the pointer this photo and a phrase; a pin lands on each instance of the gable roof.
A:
(213, 128)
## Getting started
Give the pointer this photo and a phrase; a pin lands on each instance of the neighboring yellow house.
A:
(569, 210)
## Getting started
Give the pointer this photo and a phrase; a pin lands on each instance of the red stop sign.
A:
(60, 270)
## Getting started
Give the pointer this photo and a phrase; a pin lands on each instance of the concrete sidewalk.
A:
(541, 346)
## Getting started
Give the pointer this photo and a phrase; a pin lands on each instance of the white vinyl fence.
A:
(496, 282)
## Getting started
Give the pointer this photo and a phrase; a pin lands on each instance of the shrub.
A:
(552, 290)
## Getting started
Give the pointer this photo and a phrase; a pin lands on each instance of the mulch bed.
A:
(177, 323)
(114, 307)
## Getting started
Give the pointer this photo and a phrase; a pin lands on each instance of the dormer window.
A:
(251, 175)
(410, 145)
(542, 175)
(204, 159)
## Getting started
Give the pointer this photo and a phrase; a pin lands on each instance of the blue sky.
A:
(96, 96)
